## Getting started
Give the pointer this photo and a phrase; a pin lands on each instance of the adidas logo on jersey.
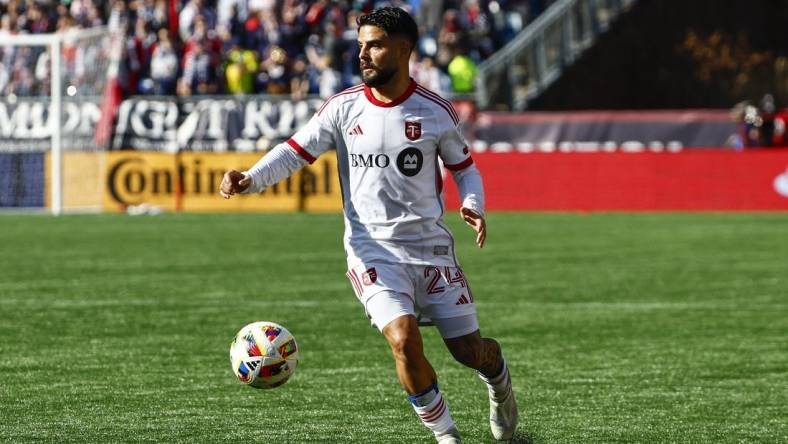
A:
(356, 131)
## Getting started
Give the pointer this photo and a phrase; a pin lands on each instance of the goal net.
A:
(50, 109)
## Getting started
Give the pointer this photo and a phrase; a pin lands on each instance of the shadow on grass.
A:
(521, 438)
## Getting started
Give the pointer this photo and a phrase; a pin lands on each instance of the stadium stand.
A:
(196, 47)
(668, 54)
(200, 86)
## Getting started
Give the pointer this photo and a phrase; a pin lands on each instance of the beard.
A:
(379, 77)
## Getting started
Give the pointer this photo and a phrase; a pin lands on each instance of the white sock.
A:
(499, 386)
(432, 409)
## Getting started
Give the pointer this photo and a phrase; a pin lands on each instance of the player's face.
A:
(378, 56)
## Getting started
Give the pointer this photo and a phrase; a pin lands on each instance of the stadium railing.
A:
(533, 60)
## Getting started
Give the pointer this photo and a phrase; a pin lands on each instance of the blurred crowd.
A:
(761, 125)
(293, 47)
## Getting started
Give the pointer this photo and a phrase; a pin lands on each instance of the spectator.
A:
(232, 31)
(330, 78)
(118, 18)
(324, 73)
(187, 16)
(22, 80)
(270, 26)
(780, 137)
(348, 51)
(92, 17)
(266, 7)
(207, 39)
(462, 71)
(42, 72)
(254, 36)
(37, 21)
(164, 65)
(228, 11)
(451, 37)
(240, 71)
(198, 73)
(427, 74)
(478, 25)
(144, 41)
(300, 84)
(767, 120)
(146, 11)
(274, 76)
(4, 78)
(292, 28)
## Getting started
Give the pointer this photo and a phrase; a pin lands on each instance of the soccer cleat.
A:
(452, 436)
(503, 416)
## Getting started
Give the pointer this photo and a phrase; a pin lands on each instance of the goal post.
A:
(49, 110)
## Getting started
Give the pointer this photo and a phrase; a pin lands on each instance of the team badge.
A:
(413, 130)
(370, 276)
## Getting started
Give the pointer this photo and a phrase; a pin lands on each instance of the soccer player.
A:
(389, 134)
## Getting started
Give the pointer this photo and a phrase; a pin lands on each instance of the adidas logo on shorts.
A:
(462, 300)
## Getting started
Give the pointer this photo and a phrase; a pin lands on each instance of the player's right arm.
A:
(278, 164)
(315, 138)
(234, 182)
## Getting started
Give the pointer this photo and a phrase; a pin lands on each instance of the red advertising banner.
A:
(702, 179)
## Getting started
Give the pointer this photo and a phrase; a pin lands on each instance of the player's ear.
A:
(404, 47)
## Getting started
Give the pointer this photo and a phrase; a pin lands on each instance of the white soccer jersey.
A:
(388, 158)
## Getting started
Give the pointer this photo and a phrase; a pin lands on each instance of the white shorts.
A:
(431, 293)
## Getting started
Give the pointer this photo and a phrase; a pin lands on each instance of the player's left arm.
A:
(457, 159)
(469, 183)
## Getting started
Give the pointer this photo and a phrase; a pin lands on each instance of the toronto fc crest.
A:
(370, 276)
(413, 130)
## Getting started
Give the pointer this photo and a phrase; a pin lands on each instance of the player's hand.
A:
(476, 221)
(234, 182)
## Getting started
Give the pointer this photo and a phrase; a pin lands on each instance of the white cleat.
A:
(450, 437)
(503, 417)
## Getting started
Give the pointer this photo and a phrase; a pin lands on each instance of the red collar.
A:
(395, 102)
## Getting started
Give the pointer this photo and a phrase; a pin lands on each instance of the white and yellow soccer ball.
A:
(263, 355)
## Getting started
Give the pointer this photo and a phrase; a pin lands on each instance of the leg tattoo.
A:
(491, 360)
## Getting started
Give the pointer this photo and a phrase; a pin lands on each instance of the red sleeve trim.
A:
(308, 157)
(460, 166)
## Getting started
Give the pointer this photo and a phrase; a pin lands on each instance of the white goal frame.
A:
(54, 42)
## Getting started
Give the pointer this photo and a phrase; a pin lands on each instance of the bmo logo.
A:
(369, 160)
(410, 161)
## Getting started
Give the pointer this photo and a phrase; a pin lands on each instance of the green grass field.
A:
(617, 327)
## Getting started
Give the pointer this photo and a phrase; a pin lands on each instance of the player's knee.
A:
(493, 347)
(405, 346)
(491, 357)
(467, 357)
(405, 340)
(468, 353)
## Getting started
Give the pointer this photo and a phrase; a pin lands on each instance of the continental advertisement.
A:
(694, 180)
(190, 182)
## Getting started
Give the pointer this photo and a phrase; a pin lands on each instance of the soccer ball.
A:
(263, 355)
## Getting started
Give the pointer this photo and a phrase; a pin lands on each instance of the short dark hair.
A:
(394, 21)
